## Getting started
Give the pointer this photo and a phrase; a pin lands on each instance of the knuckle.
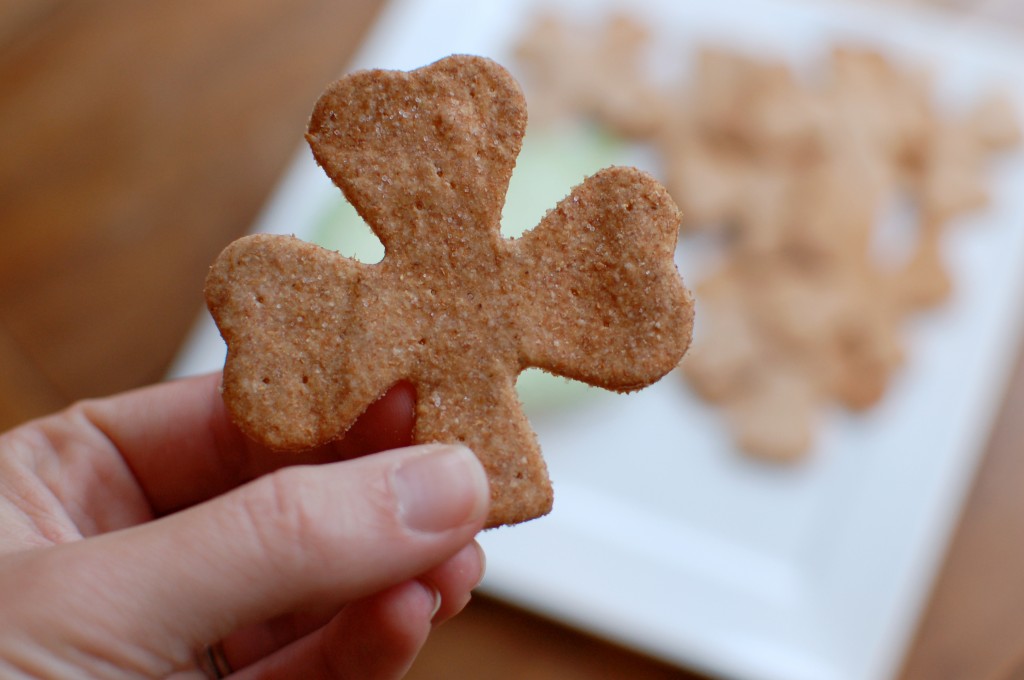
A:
(284, 513)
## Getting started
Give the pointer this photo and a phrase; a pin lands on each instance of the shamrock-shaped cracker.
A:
(591, 293)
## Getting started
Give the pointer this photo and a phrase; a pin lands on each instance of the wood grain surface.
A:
(140, 138)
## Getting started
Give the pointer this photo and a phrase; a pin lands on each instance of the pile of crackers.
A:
(791, 175)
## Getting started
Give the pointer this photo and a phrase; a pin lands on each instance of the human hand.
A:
(138, 530)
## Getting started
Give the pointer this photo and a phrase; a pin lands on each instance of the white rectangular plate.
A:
(663, 537)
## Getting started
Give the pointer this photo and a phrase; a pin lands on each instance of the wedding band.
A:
(213, 663)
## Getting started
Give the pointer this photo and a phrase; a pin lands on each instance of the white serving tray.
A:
(663, 537)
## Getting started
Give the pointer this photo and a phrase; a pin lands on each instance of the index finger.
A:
(182, 447)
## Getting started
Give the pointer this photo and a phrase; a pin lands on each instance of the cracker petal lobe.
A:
(291, 379)
(409, 149)
(604, 259)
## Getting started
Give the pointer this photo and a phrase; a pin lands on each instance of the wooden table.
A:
(137, 139)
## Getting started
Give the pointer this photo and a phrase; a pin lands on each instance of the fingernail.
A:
(483, 564)
(442, 488)
(436, 594)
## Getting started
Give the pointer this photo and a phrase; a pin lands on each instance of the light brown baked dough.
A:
(592, 293)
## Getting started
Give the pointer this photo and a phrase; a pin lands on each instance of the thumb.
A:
(299, 537)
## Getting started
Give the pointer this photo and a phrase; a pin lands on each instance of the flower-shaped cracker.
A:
(591, 293)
